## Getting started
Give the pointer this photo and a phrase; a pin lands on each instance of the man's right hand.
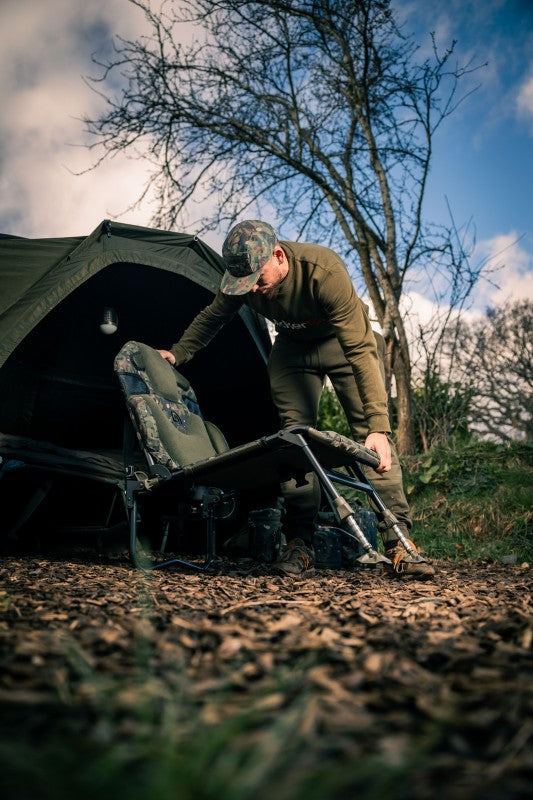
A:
(168, 356)
(379, 443)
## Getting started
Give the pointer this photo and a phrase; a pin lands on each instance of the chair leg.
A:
(342, 509)
(132, 489)
(37, 497)
(388, 516)
(132, 510)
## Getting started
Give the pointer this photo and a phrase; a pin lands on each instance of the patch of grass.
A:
(473, 500)
(252, 755)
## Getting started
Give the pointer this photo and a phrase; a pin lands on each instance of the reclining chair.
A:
(186, 453)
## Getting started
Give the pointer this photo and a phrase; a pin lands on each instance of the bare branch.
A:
(319, 109)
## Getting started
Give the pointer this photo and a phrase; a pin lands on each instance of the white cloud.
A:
(418, 308)
(45, 49)
(511, 268)
(524, 100)
(510, 278)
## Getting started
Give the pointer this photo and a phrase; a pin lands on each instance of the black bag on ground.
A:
(264, 534)
(335, 549)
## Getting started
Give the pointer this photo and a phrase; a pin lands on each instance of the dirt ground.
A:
(431, 683)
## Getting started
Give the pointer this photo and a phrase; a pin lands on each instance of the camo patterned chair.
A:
(182, 449)
(164, 409)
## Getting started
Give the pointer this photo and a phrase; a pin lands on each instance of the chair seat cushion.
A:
(164, 409)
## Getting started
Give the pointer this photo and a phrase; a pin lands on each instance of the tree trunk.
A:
(406, 434)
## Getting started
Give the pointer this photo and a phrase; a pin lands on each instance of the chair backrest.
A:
(164, 410)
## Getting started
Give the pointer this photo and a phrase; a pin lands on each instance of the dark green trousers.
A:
(297, 372)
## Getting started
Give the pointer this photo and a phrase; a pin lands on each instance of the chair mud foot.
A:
(370, 556)
(373, 558)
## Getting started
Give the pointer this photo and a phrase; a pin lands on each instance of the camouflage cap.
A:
(246, 249)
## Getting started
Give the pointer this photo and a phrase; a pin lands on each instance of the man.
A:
(322, 330)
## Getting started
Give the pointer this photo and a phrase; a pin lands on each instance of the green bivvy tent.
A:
(58, 391)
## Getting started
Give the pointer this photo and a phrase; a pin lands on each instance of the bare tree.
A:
(317, 112)
(496, 355)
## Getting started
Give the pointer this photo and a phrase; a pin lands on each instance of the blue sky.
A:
(483, 162)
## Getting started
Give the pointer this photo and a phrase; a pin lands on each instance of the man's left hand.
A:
(379, 443)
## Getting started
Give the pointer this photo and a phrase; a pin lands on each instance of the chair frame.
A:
(293, 452)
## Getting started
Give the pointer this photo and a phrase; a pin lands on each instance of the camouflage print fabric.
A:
(153, 389)
(246, 249)
(146, 428)
(123, 363)
(189, 398)
(247, 246)
(344, 444)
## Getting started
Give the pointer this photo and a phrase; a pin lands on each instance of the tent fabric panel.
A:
(48, 393)
(28, 305)
(25, 262)
(58, 384)
(52, 289)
